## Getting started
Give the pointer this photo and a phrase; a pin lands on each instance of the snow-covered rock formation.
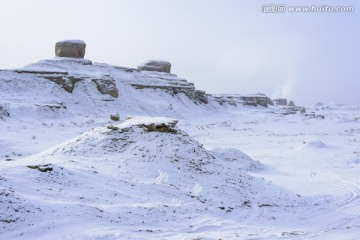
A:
(70, 48)
(70, 76)
(155, 65)
(258, 99)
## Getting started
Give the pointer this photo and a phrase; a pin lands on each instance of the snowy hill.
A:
(129, 175)
(179, 164)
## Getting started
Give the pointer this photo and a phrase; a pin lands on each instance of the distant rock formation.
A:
(244, 100)
(313, 115)
(288, 108)
(155, 65)
(280, 101)
(291, 104)
(293, 110)
(70, 48)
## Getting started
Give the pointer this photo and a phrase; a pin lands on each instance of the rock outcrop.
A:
(201, 96)
(4, 112)
(164, 127)
(67, 80)
(169, 83)
(107, 86)
(70, 48)
(291, 104)
(155, 65)
(244, 100)
(115, 117)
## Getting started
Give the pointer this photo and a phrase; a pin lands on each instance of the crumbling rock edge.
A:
(154, 124)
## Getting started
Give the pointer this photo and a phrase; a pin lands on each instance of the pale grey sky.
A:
(223, 46)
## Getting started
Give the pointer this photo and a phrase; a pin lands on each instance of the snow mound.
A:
(134, 136)
(144, 172)
(315, 144)
(238, 158)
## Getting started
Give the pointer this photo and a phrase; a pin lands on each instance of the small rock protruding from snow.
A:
(70, 48)
(164, 127)
(115, 117)
(3, 112)
(155, 65)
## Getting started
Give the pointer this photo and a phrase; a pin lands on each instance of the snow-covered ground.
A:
(223, 172)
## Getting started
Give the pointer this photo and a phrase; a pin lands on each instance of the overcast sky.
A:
(223, 46)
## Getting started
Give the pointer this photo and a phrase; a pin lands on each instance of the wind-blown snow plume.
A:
(285, 90)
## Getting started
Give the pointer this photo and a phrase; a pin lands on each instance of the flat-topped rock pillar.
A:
(70, 48)
(155, 65)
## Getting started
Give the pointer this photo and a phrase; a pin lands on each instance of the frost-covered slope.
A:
(129, 177)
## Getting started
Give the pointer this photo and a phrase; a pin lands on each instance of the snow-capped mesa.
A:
(96, 151)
